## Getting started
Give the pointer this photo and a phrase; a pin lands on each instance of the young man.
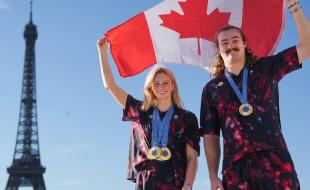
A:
(242, 102)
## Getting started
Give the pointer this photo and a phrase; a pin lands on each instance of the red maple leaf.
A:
(195, 23)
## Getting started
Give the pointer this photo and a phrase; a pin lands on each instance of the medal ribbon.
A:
(160, 129)
(242, 97)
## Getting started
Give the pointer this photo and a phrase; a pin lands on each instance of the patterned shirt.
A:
(262, 129)
(183, 129)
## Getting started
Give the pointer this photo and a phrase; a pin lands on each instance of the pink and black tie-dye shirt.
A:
(183, 129)
(262, 129)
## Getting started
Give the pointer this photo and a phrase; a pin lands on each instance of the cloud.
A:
(4, 4)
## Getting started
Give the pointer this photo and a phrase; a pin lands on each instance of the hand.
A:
(291, 2)
(102, 44)
(187, 187)
(216, 184)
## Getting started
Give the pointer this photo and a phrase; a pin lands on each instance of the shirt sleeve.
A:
(192, 134)
(132, 108)
(209, 120)
(283, 63)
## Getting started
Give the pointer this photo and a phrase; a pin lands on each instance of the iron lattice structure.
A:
(26, 169)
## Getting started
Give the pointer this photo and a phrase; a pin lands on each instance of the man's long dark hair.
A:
(219, 67)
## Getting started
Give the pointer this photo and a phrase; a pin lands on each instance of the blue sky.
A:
(83, 143)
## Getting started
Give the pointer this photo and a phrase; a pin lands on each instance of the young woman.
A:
(164, 137)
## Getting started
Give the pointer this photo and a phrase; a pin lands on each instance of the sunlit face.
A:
(231, 46)
(162, 86)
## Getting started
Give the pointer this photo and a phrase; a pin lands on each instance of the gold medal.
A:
(246, 109)
(165, 154)
(153, 153)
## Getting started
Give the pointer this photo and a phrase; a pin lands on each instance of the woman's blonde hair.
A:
(149, 96)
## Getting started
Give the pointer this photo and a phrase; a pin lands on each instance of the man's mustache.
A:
(232, 49)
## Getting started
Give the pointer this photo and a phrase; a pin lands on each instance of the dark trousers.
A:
(160, 177)
(262, 170)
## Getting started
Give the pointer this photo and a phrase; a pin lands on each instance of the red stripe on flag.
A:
(131, 46)
(263, 34)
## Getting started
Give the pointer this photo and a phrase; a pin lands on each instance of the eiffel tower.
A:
(26, 170)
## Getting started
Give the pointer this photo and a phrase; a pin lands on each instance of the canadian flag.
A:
(183, 31)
